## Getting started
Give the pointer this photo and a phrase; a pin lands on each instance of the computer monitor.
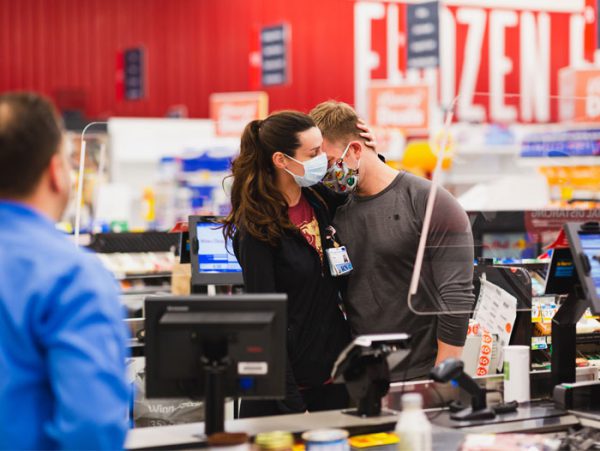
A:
(584, 241)
(561, 275)
(211, 347)
(213, 260)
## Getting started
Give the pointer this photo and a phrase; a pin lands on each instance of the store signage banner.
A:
(134, 74)
(274, 55)
(404, 106)
(579, 95)
(597, 25)
(232, 111)
(542, 223)
(568, 143)
(423, 34)
(500, 57)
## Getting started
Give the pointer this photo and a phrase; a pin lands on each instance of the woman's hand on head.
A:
(367, 134)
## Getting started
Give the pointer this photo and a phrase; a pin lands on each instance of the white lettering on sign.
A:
(395, 40)
(273, 50)
(462, 53)
(233, 118)
(466, 110)
(422, 29)
(500, 65)
(423, 46)
(273, 64)
(535, 67)
(239, 111)
(422, 13)
(447, 57)
(272, 36)
(592, 98)
(398, 110)
(365, 58)
(273, 79)
(576, 41)
(409, 117)
(390, 99)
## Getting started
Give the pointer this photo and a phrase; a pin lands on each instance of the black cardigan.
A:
(317, 330)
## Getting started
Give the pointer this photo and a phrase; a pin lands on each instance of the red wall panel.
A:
(67, 49)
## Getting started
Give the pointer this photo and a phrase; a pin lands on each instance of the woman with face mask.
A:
(280, 226)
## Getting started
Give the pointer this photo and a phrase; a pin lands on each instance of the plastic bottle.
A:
(166, 188)
(149, 211)
(413, 427)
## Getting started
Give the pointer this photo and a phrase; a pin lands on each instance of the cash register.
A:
(584, 245)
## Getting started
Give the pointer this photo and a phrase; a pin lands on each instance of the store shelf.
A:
(486, 149)
(135, 276)
(588, 338)
(467, 179)
(146, 291)
(558, 161)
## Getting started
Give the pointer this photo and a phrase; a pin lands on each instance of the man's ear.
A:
(356, 150)
(279, 160)
(56, 174)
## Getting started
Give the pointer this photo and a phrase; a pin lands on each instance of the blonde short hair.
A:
(337, 121)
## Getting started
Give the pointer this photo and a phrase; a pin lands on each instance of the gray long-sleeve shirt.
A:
(382, 234)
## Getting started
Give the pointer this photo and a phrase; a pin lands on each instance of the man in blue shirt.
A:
(62, 339)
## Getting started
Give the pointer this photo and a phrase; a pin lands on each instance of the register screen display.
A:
(591, 247)
(561, 274)
(214, 256)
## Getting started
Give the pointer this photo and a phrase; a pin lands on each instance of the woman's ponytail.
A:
(251, 136)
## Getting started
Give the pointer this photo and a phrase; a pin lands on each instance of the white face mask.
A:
(314, 170)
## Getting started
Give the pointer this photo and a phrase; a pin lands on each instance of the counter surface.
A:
(539, 416)
(189, 435)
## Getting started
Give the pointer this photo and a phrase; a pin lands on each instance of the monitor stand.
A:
(568, 394)
(367, 383)
(214, 289)
(215, 363)
(564, 336)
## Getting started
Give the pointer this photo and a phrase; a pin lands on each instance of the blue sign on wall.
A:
(274, 55)
(423, 35)
(134, 72)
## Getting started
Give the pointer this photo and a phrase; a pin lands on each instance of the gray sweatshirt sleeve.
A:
(450, 255)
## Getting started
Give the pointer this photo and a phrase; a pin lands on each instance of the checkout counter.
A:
(540, 417)
(548, 411)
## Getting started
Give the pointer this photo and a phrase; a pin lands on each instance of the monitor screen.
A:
(590, 244)
(584, 240)
(561, 274)
(214, 254)
(211, 347)
(246, 333)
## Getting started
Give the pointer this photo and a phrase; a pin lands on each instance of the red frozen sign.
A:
(501, 56)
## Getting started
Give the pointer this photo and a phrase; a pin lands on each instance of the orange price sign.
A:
(233, 110)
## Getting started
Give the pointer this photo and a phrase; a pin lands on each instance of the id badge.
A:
(339, 262)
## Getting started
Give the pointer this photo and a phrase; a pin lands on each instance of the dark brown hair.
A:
(257, 206)
(30, 135)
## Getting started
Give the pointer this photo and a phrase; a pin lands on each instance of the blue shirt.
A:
(62, 341)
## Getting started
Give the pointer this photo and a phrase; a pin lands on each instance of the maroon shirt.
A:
(303, 216)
